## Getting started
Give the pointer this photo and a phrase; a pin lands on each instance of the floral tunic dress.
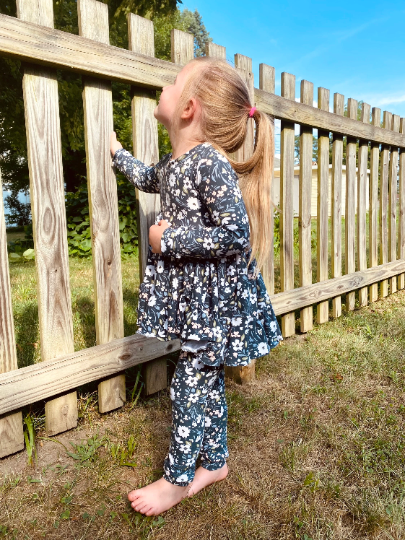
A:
(200, 289)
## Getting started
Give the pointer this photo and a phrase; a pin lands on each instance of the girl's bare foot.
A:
(204, 478)
(158, 497)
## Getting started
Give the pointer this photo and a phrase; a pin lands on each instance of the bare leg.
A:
(204, 478)
(157, 497)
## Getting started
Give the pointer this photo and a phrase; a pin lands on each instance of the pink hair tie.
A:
(252, 112)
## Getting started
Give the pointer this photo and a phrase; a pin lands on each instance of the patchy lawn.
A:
(316, 441)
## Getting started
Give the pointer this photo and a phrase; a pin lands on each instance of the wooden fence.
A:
(32, 38)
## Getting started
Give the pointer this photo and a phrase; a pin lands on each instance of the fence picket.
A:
(361, 205)
(41, 105)
(267, 82)
(373, 207)
(392, 203)
(146, 148)
(322, 203)
(401, 232)
(11, 426)
(216, 51)
(286, 204)
(336, 203)
(350, 211)
(305, 259)
(103, 203)
(243, 65)
(384, 173)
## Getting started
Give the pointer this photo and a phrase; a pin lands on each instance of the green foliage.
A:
(19, 213)
(87, 451)
(78, 219)
(29, 436)
(21, 250)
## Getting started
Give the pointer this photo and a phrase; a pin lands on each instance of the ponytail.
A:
(225, 104)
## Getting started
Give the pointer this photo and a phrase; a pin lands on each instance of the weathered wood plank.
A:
(401, 231)
(103, 203)
(41, 381)
(58, 49)
(267, 82)
(216, 51)
(318, 292)
(305, 257)
(41, 105)
(145, 143)
(182, 47)
(286, 203)
(322, 204)
(243, 65)
(350, 203)
(361, 205)
(373, 207)
(316, 118)
(11, 426)
(392, 204)
(384, 175)
(336, 196)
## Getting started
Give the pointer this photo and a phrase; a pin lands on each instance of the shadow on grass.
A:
(27, 335)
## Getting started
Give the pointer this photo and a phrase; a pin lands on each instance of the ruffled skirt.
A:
(215, 307)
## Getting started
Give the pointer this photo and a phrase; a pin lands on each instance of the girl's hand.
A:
(155, 235)
(114, 144)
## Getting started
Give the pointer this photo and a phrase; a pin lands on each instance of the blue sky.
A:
(354, 48)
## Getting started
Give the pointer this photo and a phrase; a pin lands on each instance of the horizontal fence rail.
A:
(374, 264)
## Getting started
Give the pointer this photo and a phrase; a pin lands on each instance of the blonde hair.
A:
(225, 104)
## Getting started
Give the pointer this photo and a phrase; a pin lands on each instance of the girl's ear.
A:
(191, 108)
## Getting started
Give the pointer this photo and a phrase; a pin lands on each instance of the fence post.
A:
(336, 196)
(350, 213)
(267, 82)
(40, 88)
(305, 261)
(401, 232)
(146, 149)
(373, 208)
(384, 174)
(103, 203)
(361, 205)
(11, 426)
(286, 204)
(392, 205)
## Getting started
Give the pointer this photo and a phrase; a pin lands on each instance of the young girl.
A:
(202, 282)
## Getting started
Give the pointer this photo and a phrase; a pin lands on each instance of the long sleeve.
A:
(222, 203)
(143, 177)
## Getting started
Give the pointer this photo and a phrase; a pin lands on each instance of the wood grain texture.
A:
(401, 195)
(243, 65)
(318, 292)
(373, 205)
(362, 178)
(336, 203)
(384, 176)
(350, 212)
(286, 203)
(322, 204)
(11, 427)
(267, 82)
(58, 49)
(305, 257)
(41, 106)
(41, 381)
(182, 47)
(216, 51)
(146, 149)
(316, 118)
(392, 203)
(103, 203)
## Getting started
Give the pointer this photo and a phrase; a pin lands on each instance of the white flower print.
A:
(160, 267)
(183, 431)
(182, 478)
(262, 348)
(207, 421)
(150, 270)
(193, 203)
(152, 301)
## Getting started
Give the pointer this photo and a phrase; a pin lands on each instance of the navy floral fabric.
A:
(201, 288)
(199, 420)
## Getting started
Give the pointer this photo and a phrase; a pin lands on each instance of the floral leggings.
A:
(199, 419)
